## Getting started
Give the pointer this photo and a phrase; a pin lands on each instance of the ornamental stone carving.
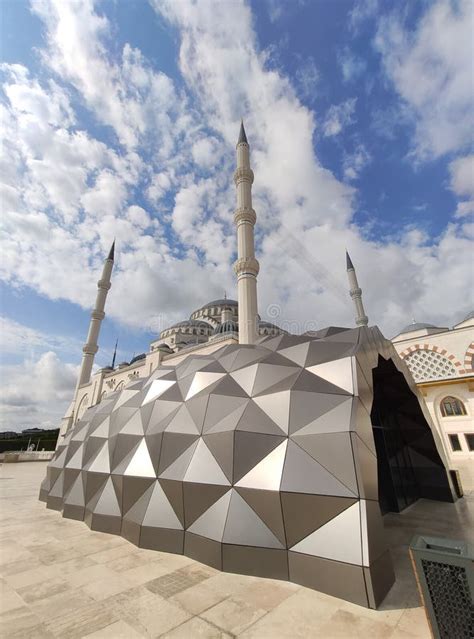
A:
(243, 174)
(246, 265)
(245, 216)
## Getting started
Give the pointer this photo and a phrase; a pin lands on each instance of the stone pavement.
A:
(60, 579)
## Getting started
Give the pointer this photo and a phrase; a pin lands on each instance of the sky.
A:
(120, 120)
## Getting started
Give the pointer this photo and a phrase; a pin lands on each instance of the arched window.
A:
(451, 406)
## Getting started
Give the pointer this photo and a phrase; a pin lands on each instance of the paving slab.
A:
(60, 580)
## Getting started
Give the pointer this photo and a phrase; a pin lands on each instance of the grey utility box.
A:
(444, 571)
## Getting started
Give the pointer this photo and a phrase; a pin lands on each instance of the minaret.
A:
(246, 266)
(356, 293)
(90, 347)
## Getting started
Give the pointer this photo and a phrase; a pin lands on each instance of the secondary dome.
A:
(416, 326)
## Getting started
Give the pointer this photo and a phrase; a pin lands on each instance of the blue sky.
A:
(121, 120)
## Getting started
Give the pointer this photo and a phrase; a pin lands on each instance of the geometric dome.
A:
(257, 459)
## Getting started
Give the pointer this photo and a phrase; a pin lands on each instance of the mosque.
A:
(250, 449)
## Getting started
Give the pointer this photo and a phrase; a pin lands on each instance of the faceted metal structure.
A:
(258, 459)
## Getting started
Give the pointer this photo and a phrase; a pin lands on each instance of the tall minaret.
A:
(356, 293)
(246, 266)
(90, 347)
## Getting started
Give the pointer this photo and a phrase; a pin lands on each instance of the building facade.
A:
(441, 361)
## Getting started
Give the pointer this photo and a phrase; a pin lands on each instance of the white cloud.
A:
(339, 117)
(307, 78)
(356, 162)
(36, 392)
(362, 11)
(462, 183)
(431, 69)
(352, 67)
(58, 231)
(17, 338)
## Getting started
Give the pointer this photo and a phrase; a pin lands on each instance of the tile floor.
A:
(60, 579)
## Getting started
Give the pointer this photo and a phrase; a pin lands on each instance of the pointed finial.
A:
(111, 252)
(115, 354)
(242, 135)
(225, 295)
(349, 264)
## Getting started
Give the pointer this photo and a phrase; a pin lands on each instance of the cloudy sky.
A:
(121, 118)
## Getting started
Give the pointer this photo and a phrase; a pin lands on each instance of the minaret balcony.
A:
(245, 216)
(246, 266)
(242, 174)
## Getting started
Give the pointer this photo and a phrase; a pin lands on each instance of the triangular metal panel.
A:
(334, 452)
(267, 474)
(306, 407)
(160, 513)
(297, 354)
(173, 445)
(244, 527)
(197, 407)
(277, 407)
(335, 420)
(138, 507)
(267, 505)
(157, 388)
(140, 464)
(178, 468)
(270, 374)
(255, 420)
(101, 462)
(132, 491)
(202, 381)
(302, 474)
(228, 423)
(219, 407)
(304, 513)
(250, 449)
(174, 491)
(211, 524)
(204, 467)
(339, 539)
(198, 498)
(221, 445)
(107, 503)
(182, 422)
(134, 426)
(338, 372)
(245, 377)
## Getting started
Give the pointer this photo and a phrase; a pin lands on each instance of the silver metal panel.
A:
(338, 372)
(245, 527)
(211, 524)
(204, 468)
(277, 407)
(266, 475)
(339, 539)
(160, 513)
(140, 465)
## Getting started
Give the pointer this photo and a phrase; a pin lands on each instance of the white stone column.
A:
(91, 347)
(246, 266)
(356, 293)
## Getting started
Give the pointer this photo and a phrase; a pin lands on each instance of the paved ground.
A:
(59, 579)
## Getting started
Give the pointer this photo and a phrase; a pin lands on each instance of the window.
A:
(451, 406)
(470, 441)
(426, 365)
(455, 443)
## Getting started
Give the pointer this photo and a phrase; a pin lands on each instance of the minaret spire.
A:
(356, 293)
(246, 266)
(90, 347)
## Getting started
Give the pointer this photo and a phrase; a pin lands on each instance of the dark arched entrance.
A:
(409, 466)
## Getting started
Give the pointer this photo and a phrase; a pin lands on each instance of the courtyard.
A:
(60, 579)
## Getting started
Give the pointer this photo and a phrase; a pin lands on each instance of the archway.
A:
(408, 463)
